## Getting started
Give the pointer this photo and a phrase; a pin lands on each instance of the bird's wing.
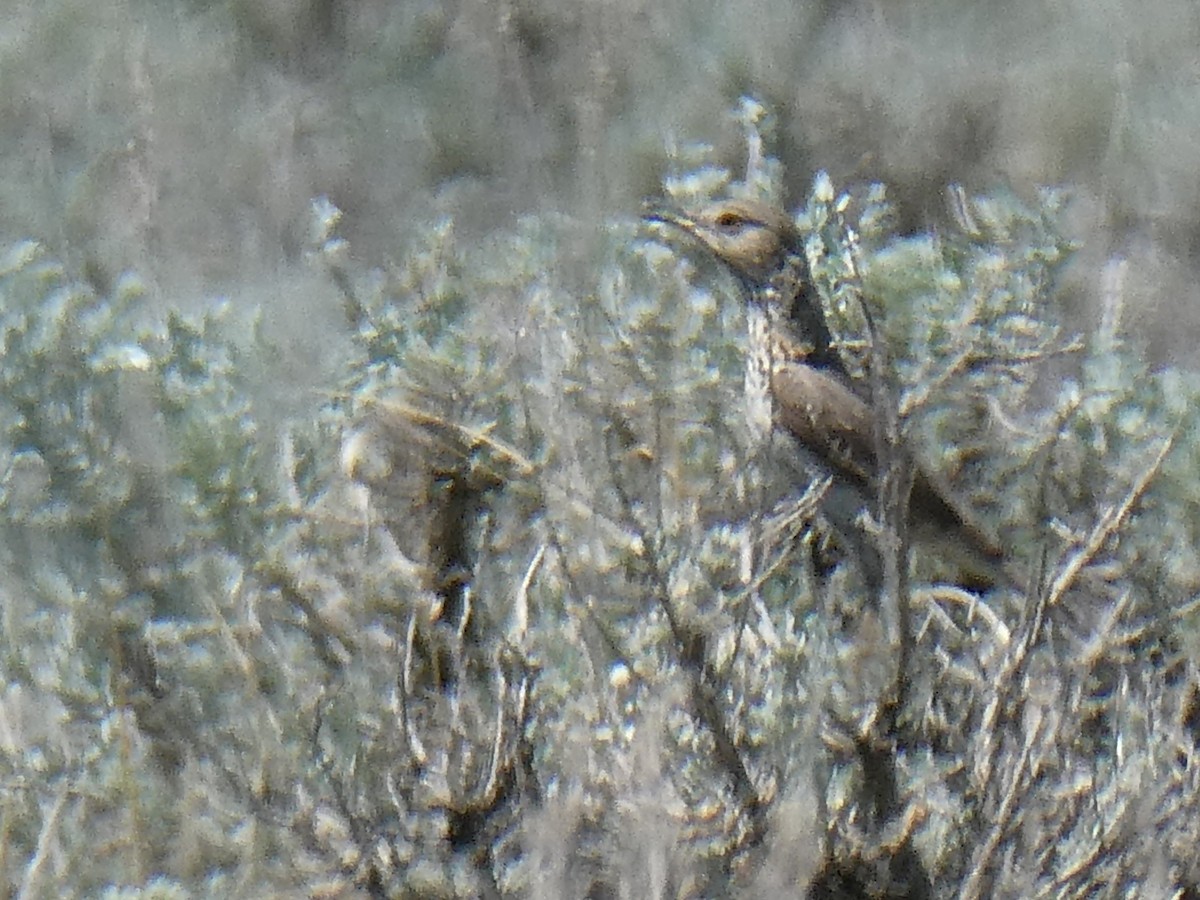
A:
(824, 414)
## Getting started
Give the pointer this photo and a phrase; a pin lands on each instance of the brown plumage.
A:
(760, 245)
(793, 361)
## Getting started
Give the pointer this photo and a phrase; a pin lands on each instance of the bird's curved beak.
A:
(675, 220)
(655, 212)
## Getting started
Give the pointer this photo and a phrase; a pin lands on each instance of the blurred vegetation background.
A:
(188, 137)
(376, 495)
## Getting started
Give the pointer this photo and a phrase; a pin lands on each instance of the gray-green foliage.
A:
(237, 653)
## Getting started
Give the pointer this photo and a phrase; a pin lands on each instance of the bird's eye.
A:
(730, 220)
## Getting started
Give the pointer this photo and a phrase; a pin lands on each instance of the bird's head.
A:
(760, 244)
(751, 238)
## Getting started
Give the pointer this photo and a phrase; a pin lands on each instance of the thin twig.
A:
(1110, 522)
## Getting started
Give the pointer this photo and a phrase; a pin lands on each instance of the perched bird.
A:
(796, 380)
(760, 246)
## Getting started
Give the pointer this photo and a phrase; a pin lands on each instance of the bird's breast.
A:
(759, 404)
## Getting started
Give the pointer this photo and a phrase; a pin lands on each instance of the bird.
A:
(798, 383)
